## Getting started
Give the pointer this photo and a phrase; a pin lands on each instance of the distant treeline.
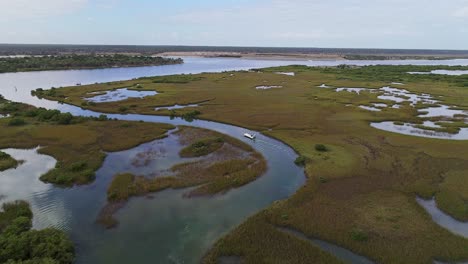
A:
(64, 62)
(44, 49)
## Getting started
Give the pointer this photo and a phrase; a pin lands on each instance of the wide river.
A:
(167, 228)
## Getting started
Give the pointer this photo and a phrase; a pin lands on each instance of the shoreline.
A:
(308, 56)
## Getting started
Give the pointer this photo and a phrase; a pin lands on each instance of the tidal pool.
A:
(174, 107)
(370, 108)
(266, 87)
(441, 111)
(380, 105)
(353, 90)
(443, 72)
(118, 95)
(412, 130)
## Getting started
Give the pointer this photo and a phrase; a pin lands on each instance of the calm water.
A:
(167, 228)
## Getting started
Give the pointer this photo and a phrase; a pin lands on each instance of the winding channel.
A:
(167, 228)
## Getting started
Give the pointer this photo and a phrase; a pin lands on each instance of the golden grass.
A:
(372, 176)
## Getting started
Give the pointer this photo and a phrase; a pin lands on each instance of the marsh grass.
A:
(372, 176)
(7, 162)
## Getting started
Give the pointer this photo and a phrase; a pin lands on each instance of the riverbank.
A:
(74, 62)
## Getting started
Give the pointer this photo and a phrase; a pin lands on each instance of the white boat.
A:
(248, 135)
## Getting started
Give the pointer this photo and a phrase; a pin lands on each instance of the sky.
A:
(412, 24)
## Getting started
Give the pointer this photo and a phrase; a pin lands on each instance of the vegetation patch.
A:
(7, 162)
(20, 244)
(452, 196)
(202, 147)
(321, 148)
(183, 78)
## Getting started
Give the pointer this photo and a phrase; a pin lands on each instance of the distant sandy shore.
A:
(310, 56)
(265, 56)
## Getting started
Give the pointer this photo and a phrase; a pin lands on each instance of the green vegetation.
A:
(321, 148)
(78, 144)
(183, 78)
(16, 122)
(20, 244)
(202, 147)
(364, 187)
(7, 162)
(452, 196)
(300, 161)
(232, 164)
(65, 62)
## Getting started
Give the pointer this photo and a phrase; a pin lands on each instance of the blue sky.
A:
(437, 24)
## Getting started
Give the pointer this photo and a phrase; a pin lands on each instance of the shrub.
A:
(358, 235)
(102, 118)
(300, 161)
(321, 148)
(4, 155)
(16, 122)
(191, 115)
(78, 166)
(123, 109)
(64, 119)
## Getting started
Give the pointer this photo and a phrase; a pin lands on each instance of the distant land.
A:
(245, 52)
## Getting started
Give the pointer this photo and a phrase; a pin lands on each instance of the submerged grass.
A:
(224, 163)
(364, 186)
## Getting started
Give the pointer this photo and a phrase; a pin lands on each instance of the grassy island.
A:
(68, 62)
(360, 193)
(7, 162)
(20, 244)
(78, 144)
(224, 163)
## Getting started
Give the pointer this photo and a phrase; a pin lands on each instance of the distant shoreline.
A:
(266, 53)
(311, 56)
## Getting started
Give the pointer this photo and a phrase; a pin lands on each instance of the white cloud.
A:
(31, 9)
